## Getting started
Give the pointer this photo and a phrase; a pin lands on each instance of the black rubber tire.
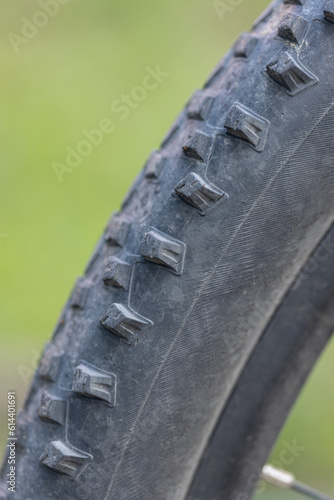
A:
(209, 297)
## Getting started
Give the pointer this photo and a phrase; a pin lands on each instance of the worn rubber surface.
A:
(183, 317)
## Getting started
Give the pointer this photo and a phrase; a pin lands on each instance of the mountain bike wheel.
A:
(209, 297)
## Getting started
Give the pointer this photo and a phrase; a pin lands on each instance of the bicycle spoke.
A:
(286, 480)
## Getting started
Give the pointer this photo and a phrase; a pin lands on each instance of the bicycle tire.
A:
(209, 297)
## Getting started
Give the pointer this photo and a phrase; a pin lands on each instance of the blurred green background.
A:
(61, 80)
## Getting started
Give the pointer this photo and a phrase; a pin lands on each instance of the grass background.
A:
(61, 82)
